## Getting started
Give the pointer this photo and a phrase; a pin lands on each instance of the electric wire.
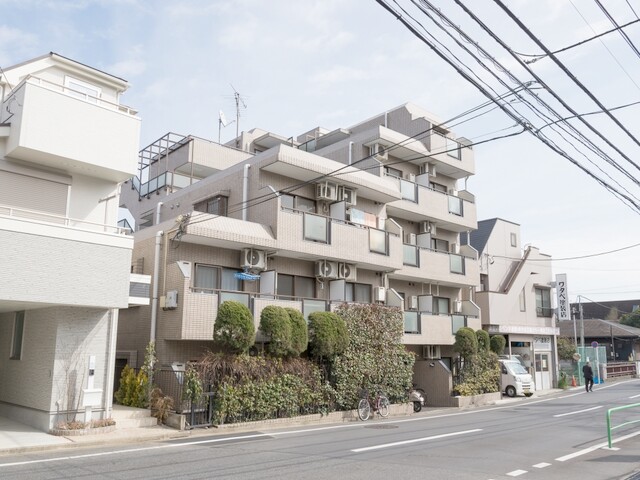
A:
(622, 32)
(579, 257)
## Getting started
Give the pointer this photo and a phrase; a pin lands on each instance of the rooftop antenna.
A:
(239, 103)
(222, 122)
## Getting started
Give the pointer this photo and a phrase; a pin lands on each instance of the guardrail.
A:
(616, 409)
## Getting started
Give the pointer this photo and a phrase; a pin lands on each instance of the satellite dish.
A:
(223, 119)
(576, 357)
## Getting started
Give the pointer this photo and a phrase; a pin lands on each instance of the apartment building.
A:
(66, 144)
(515, 296)
(370, 213)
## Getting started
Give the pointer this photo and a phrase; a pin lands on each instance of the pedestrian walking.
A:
(587, 372)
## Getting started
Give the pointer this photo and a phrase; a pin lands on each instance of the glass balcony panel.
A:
(378, 241)
(455, 205)
(408, 190)
(310, 306)
(411, 323)
(457, 322)
(410, 255)
(316, 228)
(456, 263)
(243, 298)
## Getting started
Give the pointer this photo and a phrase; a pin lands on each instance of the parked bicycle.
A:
(378, 404)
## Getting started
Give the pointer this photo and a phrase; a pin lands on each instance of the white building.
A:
(66, 144)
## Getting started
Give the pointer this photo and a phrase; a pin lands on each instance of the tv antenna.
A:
(239, 103)
(222, 122)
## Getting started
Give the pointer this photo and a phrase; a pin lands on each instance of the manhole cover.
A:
(382, 427)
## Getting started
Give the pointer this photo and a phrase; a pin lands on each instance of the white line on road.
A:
(415, 440)
(541, 465)
(577, 411)
(516, 473)
(635, 396)
(595, 447)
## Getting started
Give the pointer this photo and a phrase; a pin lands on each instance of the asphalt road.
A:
(558, 437)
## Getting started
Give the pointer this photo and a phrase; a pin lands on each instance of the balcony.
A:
(64, 261)
(454, 212)
(428, 329)
(446, 268)
(51, 126)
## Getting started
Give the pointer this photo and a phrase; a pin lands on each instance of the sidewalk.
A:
(18, 438)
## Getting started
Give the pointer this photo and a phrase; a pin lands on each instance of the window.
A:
(209, 278)
(522, 302)
(514, 240)
(295, 202)
(18, 332)
(294, 286)
(440, 306)
(393, 172)
(358, 292)
(438, 187)
(215, 205)
(543, 302)
(439, 245)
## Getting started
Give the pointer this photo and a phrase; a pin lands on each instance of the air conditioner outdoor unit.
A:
(412, 302)
(326, 269)
(457, 306)
(431, 352)
(347, 271)
(326, 191)
(429, 168)
(410, 238)
(411, 177)
(379, 294)
(453, 191)
(347, 194)
(428, 227)
(378, 151)
(253, 259)
(454, 248)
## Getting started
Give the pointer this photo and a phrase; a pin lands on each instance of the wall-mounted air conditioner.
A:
(427, 227)
(410, 238)
(378, 151)
(379, 294)
(347, 194)
(412, 302)
(253, 259)
(347, 271)
(431, 352)
(326, 269)
(171, 300)
(326, 191)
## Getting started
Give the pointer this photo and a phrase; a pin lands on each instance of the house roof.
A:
(478, 238)
(597, 328)
(602, 309)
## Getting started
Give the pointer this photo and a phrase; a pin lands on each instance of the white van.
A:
(515, 379)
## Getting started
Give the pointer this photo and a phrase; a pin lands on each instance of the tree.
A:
(299, 332)
(613, 315)
(483, 340)
(566, 348)
(234, 328)
(276, 324)
(497, 344)
(466, 343)
(632, 319)
(328, 335)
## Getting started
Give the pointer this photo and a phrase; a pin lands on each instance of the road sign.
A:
(594, 344)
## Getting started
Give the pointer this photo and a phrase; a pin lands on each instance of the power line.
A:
(622, 32)
(591, 255)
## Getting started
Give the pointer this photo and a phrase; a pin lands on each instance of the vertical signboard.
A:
(564, 309)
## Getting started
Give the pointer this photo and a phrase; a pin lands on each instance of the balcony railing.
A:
(411, 257)
(60, 220)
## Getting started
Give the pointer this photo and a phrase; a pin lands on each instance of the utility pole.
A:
(581, 322)
(575, 332)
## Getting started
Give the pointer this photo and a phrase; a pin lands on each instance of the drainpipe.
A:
(111, 362)
(385, 118)
(350, 152)
(156, 276)
(158, 207)
(245, 191)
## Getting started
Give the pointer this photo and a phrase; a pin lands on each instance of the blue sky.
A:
(332, 63)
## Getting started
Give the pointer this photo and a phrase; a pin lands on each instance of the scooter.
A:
(418, 398)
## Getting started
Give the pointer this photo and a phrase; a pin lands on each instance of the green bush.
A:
(234, 328)
(497, 344)
(276, 324)
(328, 334)
(466, 342)
(566, 348)
(480, 374)
(375, 356)
(483, 340)
(134, 388)
(299, 332)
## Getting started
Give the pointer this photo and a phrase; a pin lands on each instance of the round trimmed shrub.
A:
(497, 344)
(276, 324)
(234, 327)
(328, 334)
(483, 340)
(466, 343)
(299, 332)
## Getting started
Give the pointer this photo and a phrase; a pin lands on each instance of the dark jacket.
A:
(587, 371)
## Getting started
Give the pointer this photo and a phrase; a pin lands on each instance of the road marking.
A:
(577, 411)
(541, 465)
(635, 396)
(516, 473)
(415, 440)
(595, 447)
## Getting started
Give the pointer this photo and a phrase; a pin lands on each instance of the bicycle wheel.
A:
(364, 410)
(383, 408)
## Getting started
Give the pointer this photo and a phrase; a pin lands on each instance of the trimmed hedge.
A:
(299, 332)
(328, 334)
(234, 328)
(276, 324)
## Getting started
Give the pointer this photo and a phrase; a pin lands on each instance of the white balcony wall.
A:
(52, 128)
(435, 330)
(63, 265)
(436, 267)
(439, 147)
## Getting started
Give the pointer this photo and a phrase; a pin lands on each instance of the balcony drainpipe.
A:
(156, 277)
(385, 118)
(350, 152)
(245, 191)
